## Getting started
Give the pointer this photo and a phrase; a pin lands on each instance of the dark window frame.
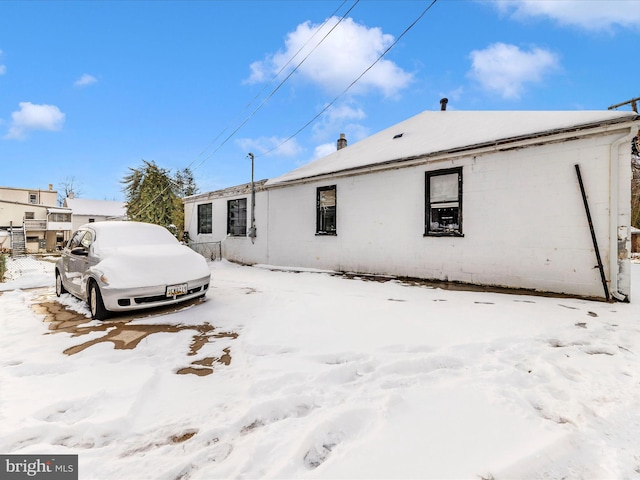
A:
(431, 207)
(324, 217)
(205, 218)
(235, 226)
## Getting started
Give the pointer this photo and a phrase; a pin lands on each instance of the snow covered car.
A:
(119, 266)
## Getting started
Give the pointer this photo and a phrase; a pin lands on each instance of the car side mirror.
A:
(83, 252)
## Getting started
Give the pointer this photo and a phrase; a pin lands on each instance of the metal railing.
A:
(35, 225)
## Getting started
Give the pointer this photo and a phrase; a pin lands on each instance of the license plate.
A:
(174, 290)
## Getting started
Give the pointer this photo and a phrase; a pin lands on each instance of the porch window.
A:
(443, 212)
(59, 217)
(326, 210)
(237, 217)
(29, 215)
(205, 218)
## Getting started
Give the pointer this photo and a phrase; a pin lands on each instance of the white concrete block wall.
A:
(524, 222)
(239, 249)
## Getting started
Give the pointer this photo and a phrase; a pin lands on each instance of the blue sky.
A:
(91, 88)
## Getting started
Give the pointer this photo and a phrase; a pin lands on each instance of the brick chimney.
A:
(342, 141)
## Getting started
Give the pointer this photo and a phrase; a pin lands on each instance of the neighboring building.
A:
(31, 222)
(488, 198)
(635, 240)
(88, 211)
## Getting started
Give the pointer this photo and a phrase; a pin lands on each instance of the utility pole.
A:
(252, 229)
(633, 102)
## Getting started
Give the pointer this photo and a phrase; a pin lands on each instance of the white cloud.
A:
(85, 80)
(506, 69)
(347, 52)
(334, 120)
(271, 145)
(3, 68)
(324, 150)
(589, 15)
(32, 117)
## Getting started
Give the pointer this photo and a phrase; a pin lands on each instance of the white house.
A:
(536, 200)
(30, 221)
(86, 210)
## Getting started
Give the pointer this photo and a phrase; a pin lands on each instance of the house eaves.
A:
(24, 204)
(235, 191)
(433, 135)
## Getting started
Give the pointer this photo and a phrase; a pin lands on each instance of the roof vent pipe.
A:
(443, 104)
(342, 141)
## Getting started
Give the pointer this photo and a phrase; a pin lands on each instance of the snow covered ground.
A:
(311, 375)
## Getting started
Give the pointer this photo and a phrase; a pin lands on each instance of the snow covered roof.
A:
(105, 208)
(431, 132)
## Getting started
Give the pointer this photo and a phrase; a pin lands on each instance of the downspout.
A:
(614, 184)
(252, 228)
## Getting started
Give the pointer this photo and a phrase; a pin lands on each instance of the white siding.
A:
(524, 222)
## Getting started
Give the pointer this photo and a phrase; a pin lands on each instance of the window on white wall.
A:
(443, 215)
(326, 210)
(33, 198)
(237, 217)
(205, 218)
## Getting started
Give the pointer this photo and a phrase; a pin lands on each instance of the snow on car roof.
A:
(138, 232)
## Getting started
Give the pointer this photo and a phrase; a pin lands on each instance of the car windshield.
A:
(132, 234)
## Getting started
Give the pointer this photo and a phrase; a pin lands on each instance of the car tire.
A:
(59, 286)
(96, 305)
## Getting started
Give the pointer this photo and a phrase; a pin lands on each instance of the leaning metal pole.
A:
(593, 234)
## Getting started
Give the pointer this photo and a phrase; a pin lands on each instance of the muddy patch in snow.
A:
(125, 335)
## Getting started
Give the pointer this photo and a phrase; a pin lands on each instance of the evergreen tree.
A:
(185, 182)
(154, 196)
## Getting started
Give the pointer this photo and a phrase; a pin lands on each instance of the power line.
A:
(270, 81)
(265, 100)
(355, 81)
(273, 92)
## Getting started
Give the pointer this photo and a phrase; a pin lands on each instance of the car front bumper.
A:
(123, 299)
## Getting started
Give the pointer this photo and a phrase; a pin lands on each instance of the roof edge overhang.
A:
(503, 144)
(31, 205)
(235, 191)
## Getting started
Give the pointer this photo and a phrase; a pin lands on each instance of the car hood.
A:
(142, 266)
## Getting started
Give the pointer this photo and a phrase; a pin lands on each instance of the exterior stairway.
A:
(18, 243)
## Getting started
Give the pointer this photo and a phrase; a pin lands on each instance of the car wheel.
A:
(59, 286)
(96, 305)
